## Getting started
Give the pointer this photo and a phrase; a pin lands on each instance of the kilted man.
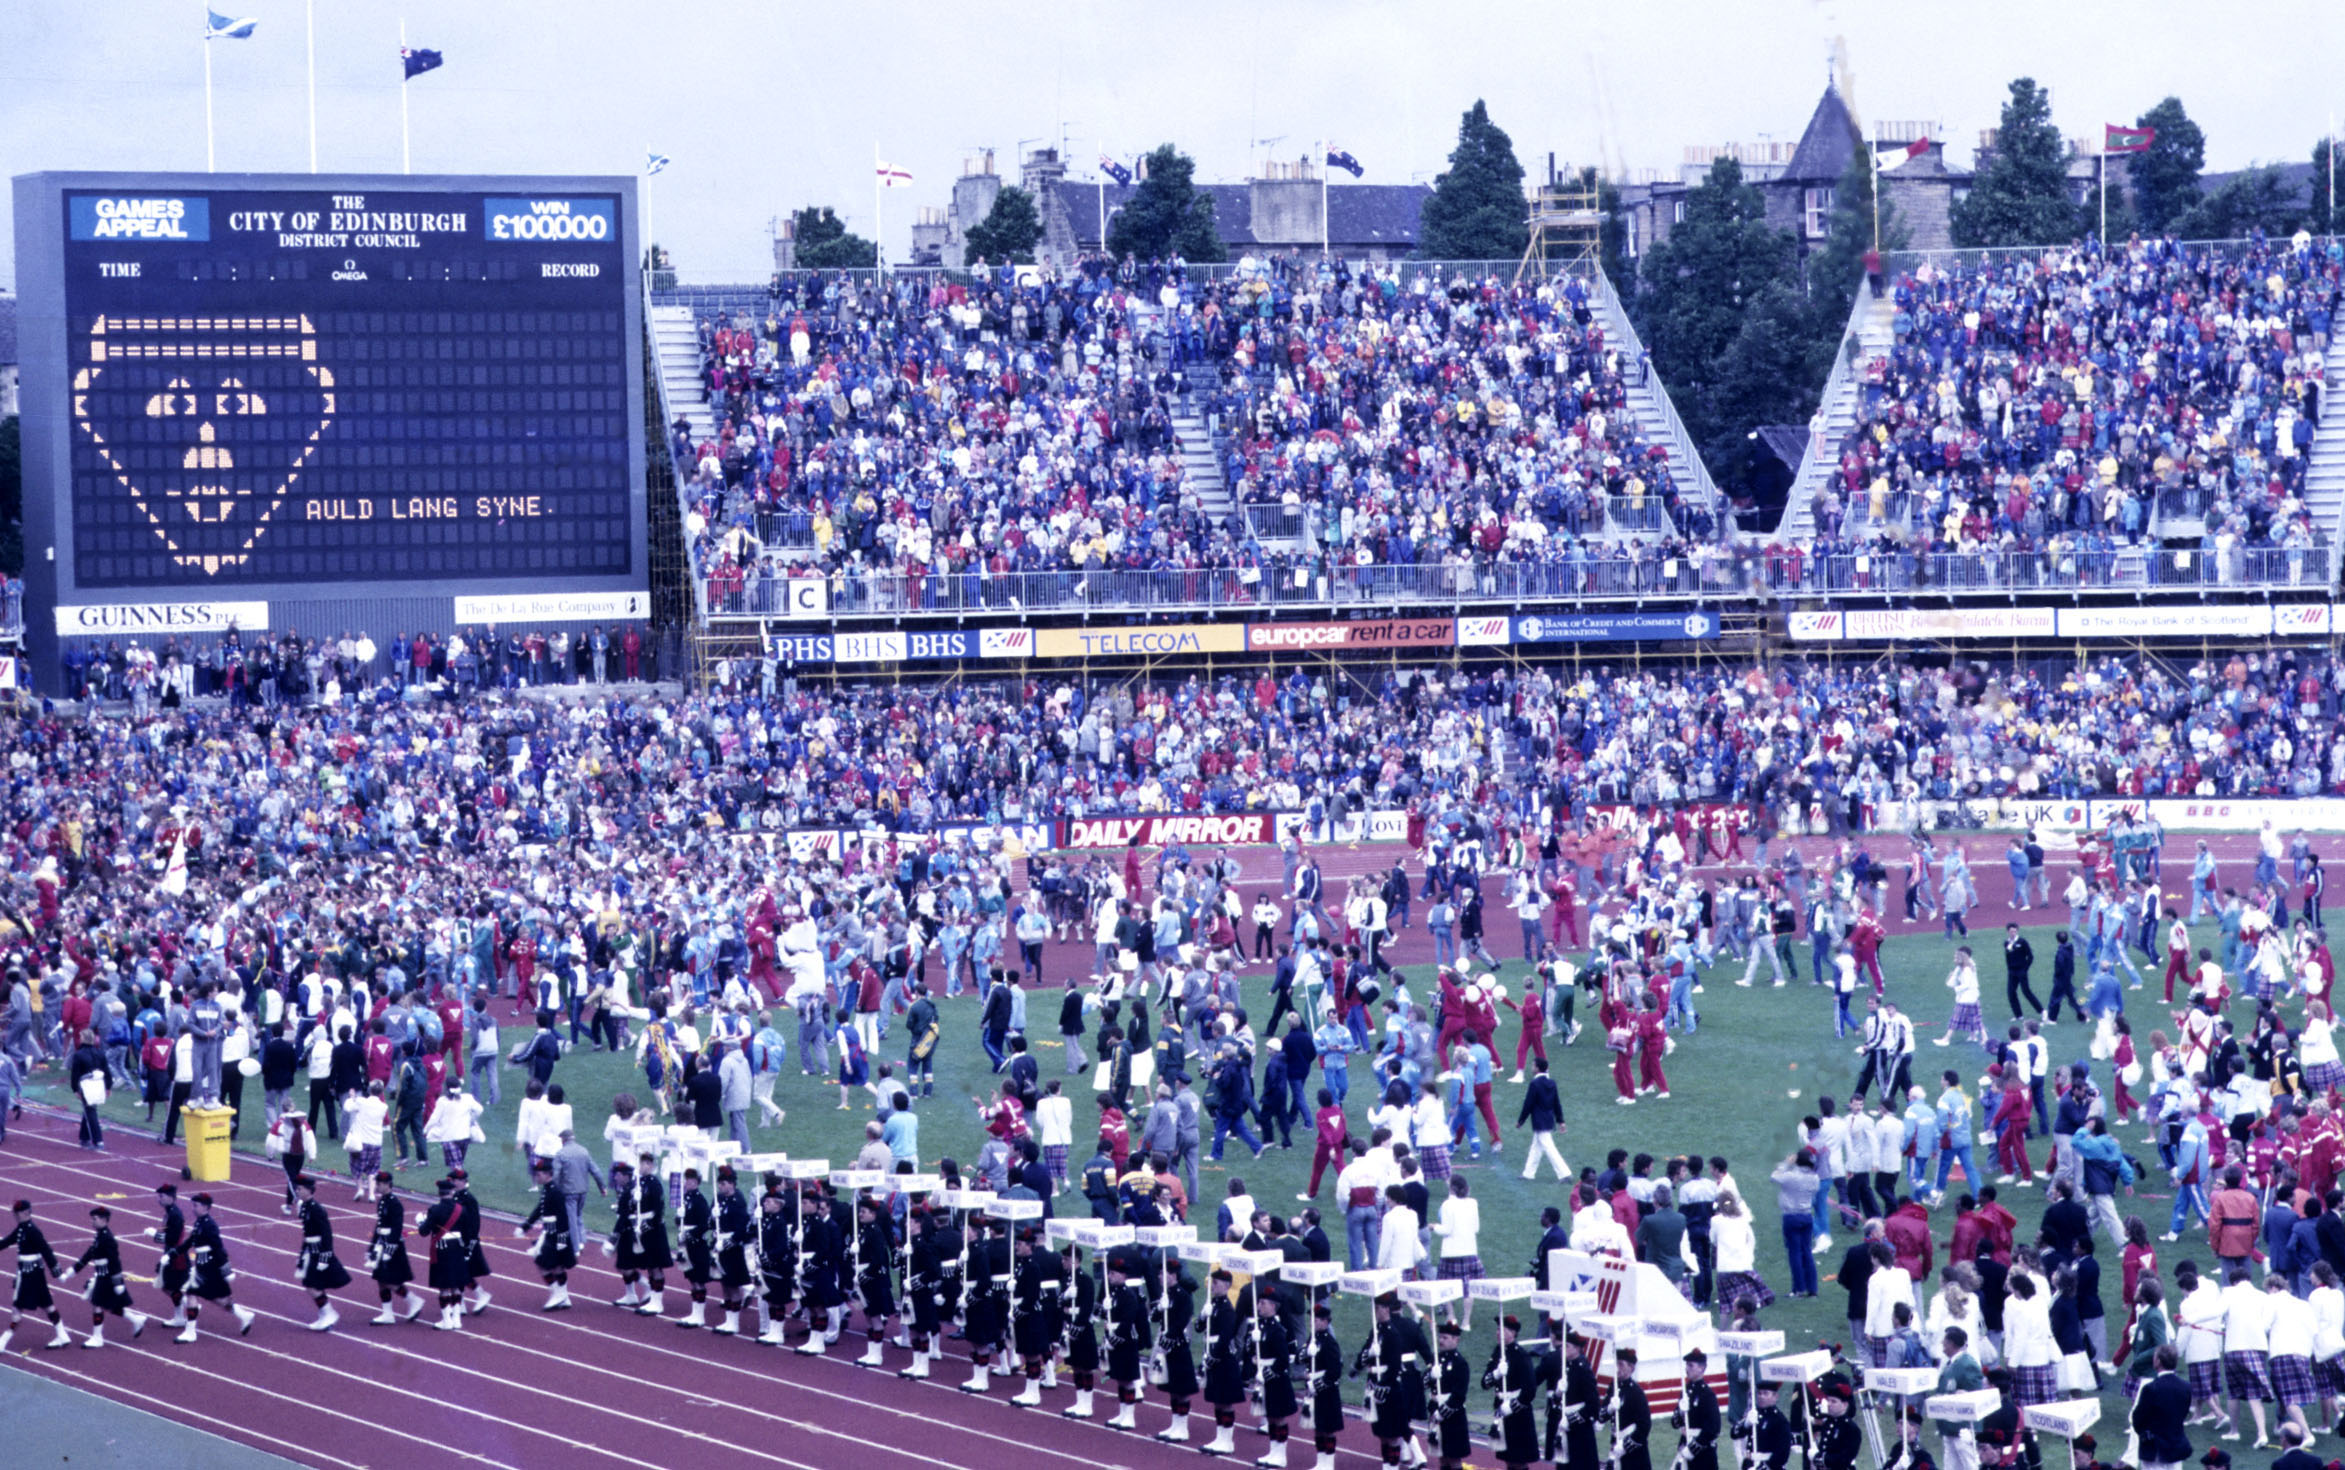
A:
(109, 1289)
(556, 1252)
(1324, 1385)
(1512, 1375)
(476, 1260)
(1697, 1418)
(777, 1258)
(733, 1239)
(639, 1237)
(1632, 1417)
(320, 1270)
(171, 1271)
(824, 1272)
(696, 1232)
(386, 1256)
(209, 1277)
(1180, 1364)
(1080, 1342)
(988, 1300)
(36, 1262)
(923, 1283)
(874, 1251)
(1038, 1317)
(1274, 1375)
(1129, 1327)
(450, 1274)
(1453, 1438)
(1228, 1369)
(1394, 1359)
(2247, 1343)
(1573, 1401)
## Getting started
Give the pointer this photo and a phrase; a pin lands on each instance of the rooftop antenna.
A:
(1266, 144)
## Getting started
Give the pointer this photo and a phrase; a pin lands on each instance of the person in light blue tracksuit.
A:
(1921, 1139)
(2202, 884)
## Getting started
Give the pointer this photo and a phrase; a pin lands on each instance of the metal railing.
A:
(1710, 574)
(1273, 520)
(1686, 462)
(680, 473)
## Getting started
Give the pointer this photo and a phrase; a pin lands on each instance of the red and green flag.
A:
(2118, 139)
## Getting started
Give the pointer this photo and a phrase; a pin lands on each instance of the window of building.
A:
(1677, 213)
(1816, 212)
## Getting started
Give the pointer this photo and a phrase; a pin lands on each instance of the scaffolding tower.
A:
(1567, 227)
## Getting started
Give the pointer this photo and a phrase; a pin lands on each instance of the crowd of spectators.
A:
(1825, 747)
(2053, 410)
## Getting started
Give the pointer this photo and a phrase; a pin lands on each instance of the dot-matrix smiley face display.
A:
(207, 423)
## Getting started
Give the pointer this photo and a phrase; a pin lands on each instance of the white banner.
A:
(8, 674)
(1482, 632)
(2244, 621)
(555, 607)
(806, 598)
(1955, 622)
(1827, 626)
(1005, 643)
(111, 619)
(2220, 814)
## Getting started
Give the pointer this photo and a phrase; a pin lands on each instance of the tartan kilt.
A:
(2330, 1374)
(1966, 1019)
(1733, 1286)
(2293, 1381)
(1461, 1268)
(2036, 1384)
(2248, 1375)
(1054, 1158)
(2321, 1076)
(2206, 1378)
(1433, 1161)
(365, 1161)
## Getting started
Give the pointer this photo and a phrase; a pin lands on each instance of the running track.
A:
(602, 1387)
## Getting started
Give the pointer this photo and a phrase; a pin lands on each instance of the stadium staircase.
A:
(1201, 462)
(1655, 414)
(2324, 475)
(675, 336)
(1871, 326)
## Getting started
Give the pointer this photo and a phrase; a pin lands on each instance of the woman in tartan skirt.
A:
(2328, 1330)
(1735, 1245)
(2028, 1347)
(2294, 1384)
(1965, 1021)
(1460, 1229)
(2317, 1051)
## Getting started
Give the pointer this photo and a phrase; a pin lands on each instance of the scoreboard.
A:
(245, 388)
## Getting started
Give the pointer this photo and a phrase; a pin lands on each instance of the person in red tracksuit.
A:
(1333, 1138)
(1620, 1038)
(1532, 1040)
(2177, 953)
(2010, 1121)
(1564, 917)
(1651, 1040)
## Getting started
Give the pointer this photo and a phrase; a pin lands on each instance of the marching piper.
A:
(476, 1260)
(875, 1277)
(450, 1273)
(1274, 1377)
(171, 1269)
(988, 1301)
(696, 1224)
(1632, 1415)
(1324, 1384)
(1227, 1367)
(1394, 1359)
(1039, 1288)
(209, 1278)
(386, 1254)
(1179, 1298)
(1512, 1376)
(1452, 1435)
(1697, 1418)
(321, 1271)
(36, 1262)
(775, 1263)
(732, 1248)
(923, 1288)
(109, 1289)
(824, 1272)
(556, 1253)
(1771, 1432)
(1129, 1322)
(639, 1237)
(1573, 1402)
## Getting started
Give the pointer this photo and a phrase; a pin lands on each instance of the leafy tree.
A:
(824, 244)
(1720, 309)
(1167, 215)
(2021, 196)
(2322, 215)
(2258, 198)
(1008, 233)
(2165, 175)
(2122, 219)
(1477, 210)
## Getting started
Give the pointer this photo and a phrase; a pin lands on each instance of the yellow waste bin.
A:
(207, 1144)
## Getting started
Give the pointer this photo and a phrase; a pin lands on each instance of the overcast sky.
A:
(766, 106)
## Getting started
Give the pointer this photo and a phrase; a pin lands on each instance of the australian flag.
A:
(417, 61)
(1114, 170)
(1337, 158)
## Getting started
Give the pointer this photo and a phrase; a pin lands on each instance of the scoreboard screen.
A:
(283, 383)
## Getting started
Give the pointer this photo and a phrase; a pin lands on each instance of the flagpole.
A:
(1323, 201)
(211, 154)
(2104, 195)
(1875, 152)
(310, 8)
(406, 144)
(1103, 199)
(879, 218)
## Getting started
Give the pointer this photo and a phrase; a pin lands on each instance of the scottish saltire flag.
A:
(654, 162)
(1337, 158)
(218, 27)
(418, 61)
(1114, 170)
